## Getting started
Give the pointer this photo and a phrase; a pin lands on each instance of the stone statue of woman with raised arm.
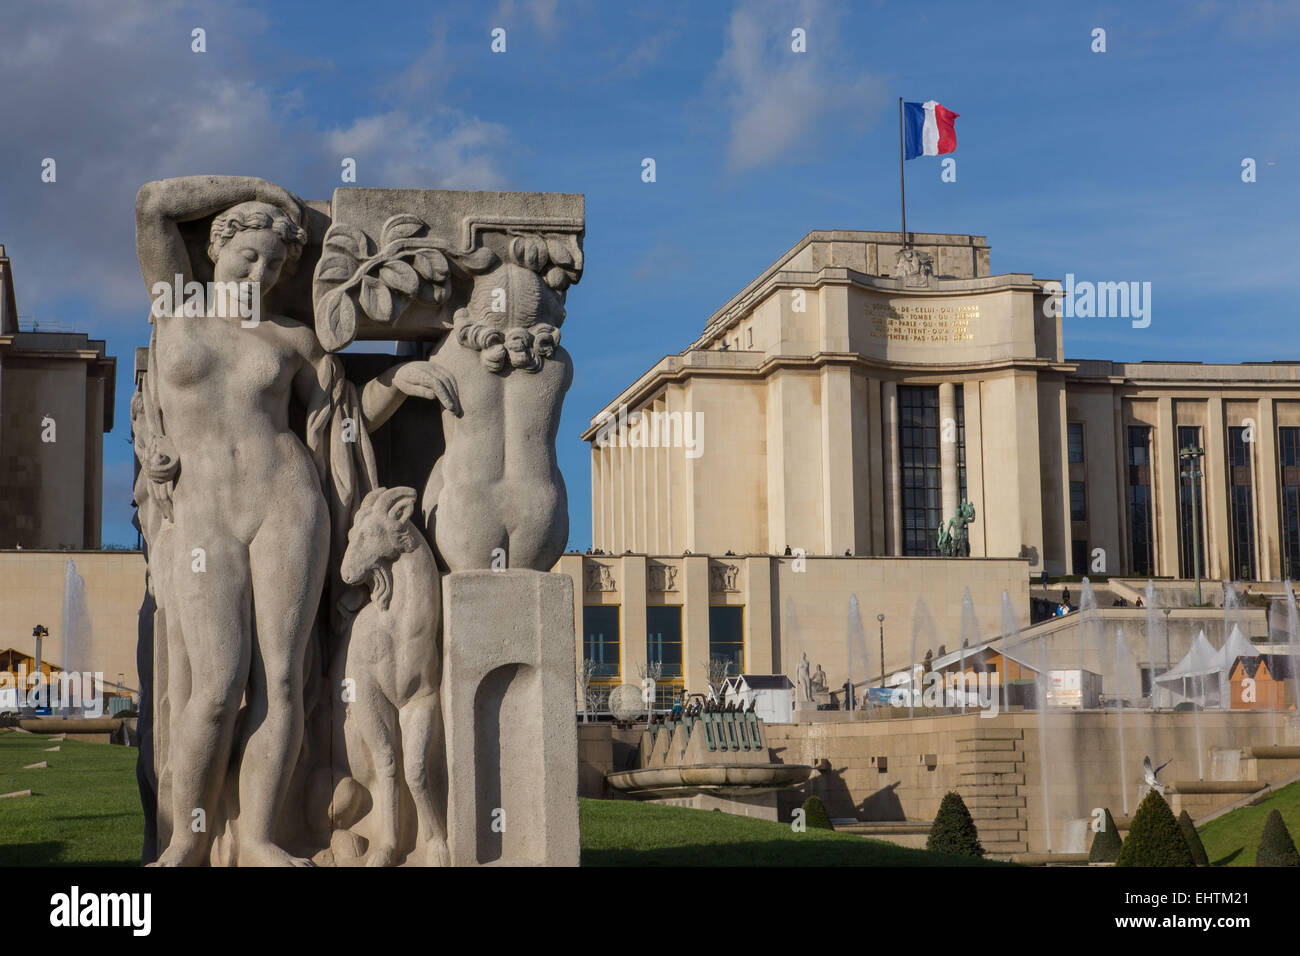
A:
(247, 525)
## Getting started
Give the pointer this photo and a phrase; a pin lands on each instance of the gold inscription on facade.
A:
(925, 324)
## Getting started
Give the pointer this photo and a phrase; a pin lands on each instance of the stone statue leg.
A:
(538, 519)
(467, 542)
(287, 558)
(422, 753)
(213, 609)
(376, 720)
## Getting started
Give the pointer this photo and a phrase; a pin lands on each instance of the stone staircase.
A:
(991, 780)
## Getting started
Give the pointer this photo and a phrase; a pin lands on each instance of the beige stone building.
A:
(56, 404)
(835, 407)
(848, 398)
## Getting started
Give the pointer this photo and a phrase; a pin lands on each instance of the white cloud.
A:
(541, 12)
(780, 102)
(115, 95)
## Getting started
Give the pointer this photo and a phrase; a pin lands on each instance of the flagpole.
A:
(902, 188)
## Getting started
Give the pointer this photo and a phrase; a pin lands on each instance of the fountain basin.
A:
(712, 779)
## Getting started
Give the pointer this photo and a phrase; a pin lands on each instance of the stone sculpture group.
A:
(330, 676)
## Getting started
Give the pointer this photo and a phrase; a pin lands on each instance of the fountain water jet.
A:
(857, 642)
(1010, 636)
(1042, 683)
(1125, 672)
(1153, 628)
(1293, 641)
(969, 638)
(76, 626)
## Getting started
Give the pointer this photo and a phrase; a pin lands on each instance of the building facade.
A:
(837, 411)
(833, 405)
(56, 404)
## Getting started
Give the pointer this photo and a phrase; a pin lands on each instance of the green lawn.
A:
(84, 809)
(624, 833)
(1233, 839)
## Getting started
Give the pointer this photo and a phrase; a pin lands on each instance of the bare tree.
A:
(590, 696)
(719, 671)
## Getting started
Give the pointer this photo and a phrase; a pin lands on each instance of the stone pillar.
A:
(950, 492)
(573, 566)
(597, 497)
(507, 689)
(695, 621)
(840, 462)
(1218, 538)
(1267, 495)
(630, 581)
(975, 467)
(875, 490)
(893, 479)
(1164, 481)
(759, 658)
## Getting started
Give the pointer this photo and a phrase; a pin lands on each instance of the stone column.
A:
(1267, 495)
(950, 492)
(695, 621)
(1164, 482)
(893, 480)
(758, 615)
(631, 585)
(597, 498)
(975, 467)
(1218, 539)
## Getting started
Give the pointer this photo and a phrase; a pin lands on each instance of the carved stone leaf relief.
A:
(407, 267)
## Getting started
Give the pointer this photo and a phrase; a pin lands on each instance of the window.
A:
(1191, 525)
(727, 636)
(664, 639)
(960, 399)
(1241, 510)
(600, 635)
(919, 469)
(1288, 442)
(1074, 431)
(1079, 555)
(1139, 500)
(749, 338)
(1078, 501)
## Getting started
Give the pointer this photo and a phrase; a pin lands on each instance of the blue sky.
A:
(1123, 165)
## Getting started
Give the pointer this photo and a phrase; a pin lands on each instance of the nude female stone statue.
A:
(249, 527)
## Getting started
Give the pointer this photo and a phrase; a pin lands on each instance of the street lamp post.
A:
(1191, 456)
(39, 631)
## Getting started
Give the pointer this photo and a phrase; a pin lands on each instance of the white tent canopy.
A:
(1201, 660)
(1236, 646)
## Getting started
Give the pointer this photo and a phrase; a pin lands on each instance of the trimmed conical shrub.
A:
(815, 816)
(1154, 838)
(1106, 844)
(1193, 839)
(1276, 848)
(953, 830)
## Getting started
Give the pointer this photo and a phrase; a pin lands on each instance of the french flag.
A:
(929, 129)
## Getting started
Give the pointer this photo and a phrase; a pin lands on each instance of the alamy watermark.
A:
(651, 430)
(79, 690)
(934, 689)
(223, 300)
(1084, 299)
